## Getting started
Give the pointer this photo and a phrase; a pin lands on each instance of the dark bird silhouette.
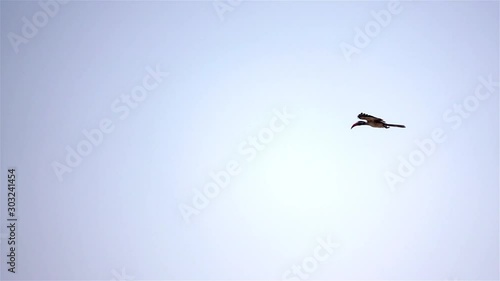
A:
(374, 122)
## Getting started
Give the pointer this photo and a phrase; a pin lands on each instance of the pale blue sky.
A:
(118, 210)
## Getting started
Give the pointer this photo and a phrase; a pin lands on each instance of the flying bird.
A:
(374, 122)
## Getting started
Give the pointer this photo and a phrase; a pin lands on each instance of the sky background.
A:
(116, 215)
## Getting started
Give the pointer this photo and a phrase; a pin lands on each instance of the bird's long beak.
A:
(354, 125)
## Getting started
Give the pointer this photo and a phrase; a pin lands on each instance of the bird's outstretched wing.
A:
(369, 117)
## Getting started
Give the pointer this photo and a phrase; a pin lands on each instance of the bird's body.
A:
(374, 122)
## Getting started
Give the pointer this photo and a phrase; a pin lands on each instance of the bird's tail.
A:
(396, 125)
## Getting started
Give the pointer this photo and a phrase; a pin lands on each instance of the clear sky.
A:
(212, 140)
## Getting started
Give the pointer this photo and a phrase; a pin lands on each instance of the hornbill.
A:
(374, 122)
